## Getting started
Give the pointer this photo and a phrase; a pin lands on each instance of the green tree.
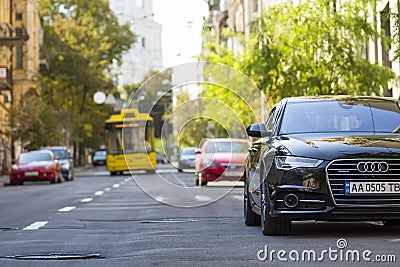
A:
(315, 48)
(83, 40)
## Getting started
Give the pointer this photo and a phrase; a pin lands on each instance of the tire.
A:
(12, 183)
(269, 225)
(21, 183)
(391, 223)
(250, 217)
(113, 173)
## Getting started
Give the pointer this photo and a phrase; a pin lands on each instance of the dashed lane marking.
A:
(66, 209)
(99, 193)
(35, 225)
(88, 199)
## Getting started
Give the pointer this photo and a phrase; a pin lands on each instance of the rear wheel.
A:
(269, 225)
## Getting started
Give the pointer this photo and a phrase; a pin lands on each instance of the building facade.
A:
(146, 52)
(21, 39)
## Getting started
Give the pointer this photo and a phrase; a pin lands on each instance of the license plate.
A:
(371, 188)
(31, 173)
(233, 174)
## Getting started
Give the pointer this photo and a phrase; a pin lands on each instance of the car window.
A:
(271, 122)
(188, 151)
(30, 157)
(333, 116)
(61, 154)
(226, 147)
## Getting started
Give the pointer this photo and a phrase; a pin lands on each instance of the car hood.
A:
(34, 165)
(347, 146)
(226, 157)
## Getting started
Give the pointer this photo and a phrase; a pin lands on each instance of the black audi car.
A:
(324, 158)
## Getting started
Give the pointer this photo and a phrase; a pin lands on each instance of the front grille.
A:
(345, 170)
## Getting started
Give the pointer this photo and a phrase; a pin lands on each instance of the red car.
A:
(221, 159)
(40, 165)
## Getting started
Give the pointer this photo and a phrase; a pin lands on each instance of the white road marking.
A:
(107, 189)
(126, 180)
(35, 225)
(88, 199)
(99, 193)
(66, 209)
(115, 185)
(202, 198)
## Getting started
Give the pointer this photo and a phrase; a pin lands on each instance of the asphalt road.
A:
(164, 220)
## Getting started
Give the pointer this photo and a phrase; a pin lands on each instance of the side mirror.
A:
(197, 151)
(258, 130)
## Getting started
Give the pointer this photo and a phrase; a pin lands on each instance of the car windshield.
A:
(189, 151)
(61, 154)
(226, 147)
(30, 157)
(338, 116)
(100, 153)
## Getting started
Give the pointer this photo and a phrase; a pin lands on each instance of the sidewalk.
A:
(5, 180)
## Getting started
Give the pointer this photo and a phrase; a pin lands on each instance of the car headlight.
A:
(65, 166)
(289, 162)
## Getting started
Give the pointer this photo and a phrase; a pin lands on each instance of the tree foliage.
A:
(315, 48)
(82, 40)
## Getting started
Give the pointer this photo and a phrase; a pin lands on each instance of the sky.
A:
(182, 22)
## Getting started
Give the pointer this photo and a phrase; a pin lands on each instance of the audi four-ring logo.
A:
(372, 166)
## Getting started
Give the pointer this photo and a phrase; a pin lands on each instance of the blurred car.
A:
(187, 158)
(66, 161)
(99, 158)
(160, 158)
(221, 159)
(38, 165)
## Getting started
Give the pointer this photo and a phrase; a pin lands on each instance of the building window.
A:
(140, 3)
(143, 42)
(20, 57)
(18, 32)
(18, 16)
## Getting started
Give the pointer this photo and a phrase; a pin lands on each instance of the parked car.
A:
(220, 159)
(187, 158)
(66, 161)
(160, 158)
(99, 158)
(324, 158)
(39, 165)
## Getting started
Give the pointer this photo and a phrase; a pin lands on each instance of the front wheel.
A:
(250, 217)
(269, 225)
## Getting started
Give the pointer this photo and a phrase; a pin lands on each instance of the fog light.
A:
(291, 200)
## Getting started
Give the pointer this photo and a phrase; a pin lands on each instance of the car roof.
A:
(53, 148)
(337, 98)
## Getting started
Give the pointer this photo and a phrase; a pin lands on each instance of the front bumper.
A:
(316, 201)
